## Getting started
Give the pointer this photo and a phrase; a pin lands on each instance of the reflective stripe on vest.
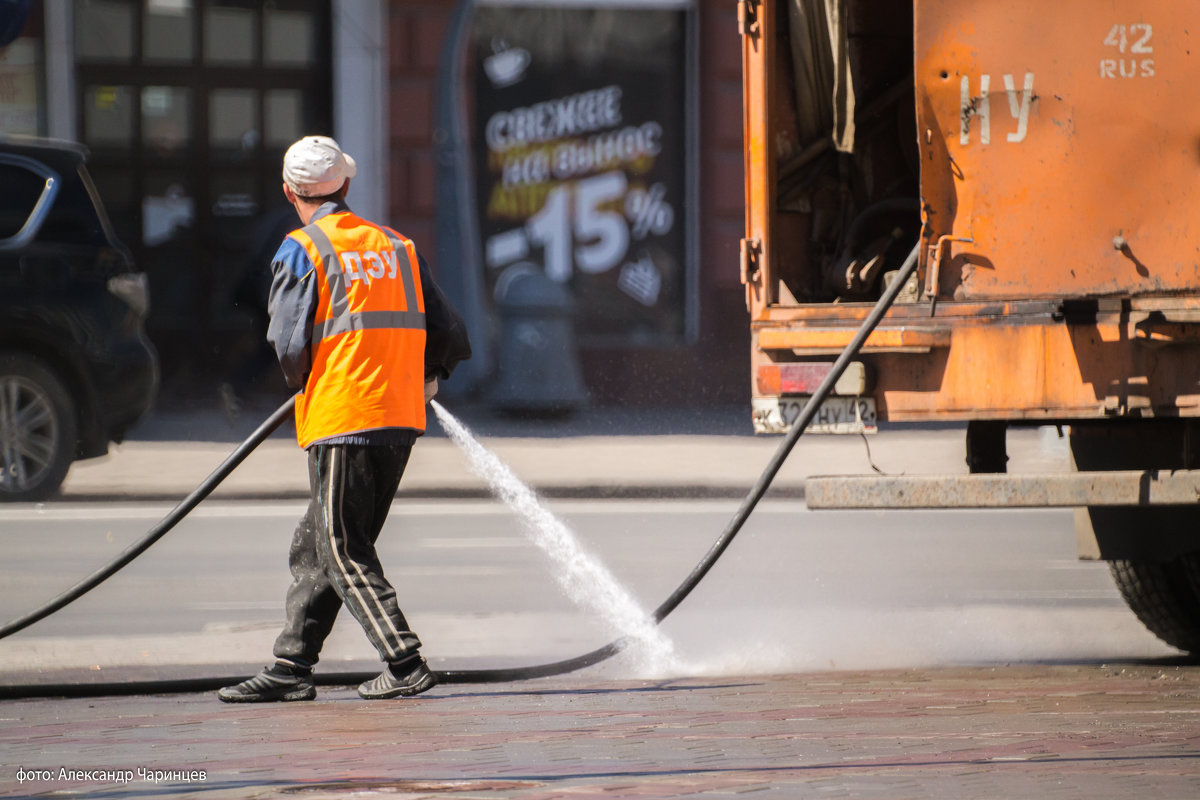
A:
(368, 334)
(341, 319)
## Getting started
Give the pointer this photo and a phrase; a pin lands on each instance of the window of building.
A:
(22, 70)
(187, 107)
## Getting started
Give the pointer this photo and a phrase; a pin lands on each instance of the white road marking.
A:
(473, 542)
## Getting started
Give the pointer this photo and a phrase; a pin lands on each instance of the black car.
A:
(76, 368)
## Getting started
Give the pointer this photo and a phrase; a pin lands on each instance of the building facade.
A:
(596, 143)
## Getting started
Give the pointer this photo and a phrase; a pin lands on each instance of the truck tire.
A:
(1164, 597)
(37, 429)
(1191, 568)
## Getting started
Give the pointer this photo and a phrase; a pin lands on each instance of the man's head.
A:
(316, 169)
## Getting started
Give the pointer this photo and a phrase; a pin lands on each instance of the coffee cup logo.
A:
(506, 65)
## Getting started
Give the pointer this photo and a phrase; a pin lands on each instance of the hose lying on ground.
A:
(449, 676)
(164, 525)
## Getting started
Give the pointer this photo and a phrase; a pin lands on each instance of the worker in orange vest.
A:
(359, 325)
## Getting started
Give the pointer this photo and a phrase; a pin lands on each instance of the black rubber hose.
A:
(735, 524)
(473, 675)
(158, 531)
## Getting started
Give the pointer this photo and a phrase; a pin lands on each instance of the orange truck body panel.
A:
(1049, 130)
(1059, 179)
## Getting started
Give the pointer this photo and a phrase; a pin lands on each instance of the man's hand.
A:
(430, 389)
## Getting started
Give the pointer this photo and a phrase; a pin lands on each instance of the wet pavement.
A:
(1007, 731)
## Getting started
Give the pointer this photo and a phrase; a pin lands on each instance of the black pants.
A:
(333, 559)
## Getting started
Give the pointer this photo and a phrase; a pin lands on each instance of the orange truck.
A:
(1043, 159)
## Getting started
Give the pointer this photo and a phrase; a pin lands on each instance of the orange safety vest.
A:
(368, 338)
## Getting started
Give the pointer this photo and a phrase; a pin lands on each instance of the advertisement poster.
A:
(581, 154)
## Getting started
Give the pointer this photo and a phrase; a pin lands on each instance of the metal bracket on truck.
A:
(1048, 490)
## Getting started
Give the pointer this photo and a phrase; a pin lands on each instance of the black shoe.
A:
(418, 679)
(269, 686)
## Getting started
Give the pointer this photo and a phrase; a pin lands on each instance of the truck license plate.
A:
(836, 415)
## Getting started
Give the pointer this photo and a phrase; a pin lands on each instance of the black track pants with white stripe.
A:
(333, 559)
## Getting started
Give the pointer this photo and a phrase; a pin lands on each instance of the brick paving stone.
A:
(1020, 731)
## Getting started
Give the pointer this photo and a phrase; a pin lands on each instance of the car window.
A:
(22, 189)
(73, 218)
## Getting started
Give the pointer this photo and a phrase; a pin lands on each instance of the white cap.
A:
(316, 166)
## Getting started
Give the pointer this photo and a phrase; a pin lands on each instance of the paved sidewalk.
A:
(1026, 731)
(593, 453)
(1078, 731)
(1031, 731)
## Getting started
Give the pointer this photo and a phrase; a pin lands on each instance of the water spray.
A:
(596, 656)
(581, 576)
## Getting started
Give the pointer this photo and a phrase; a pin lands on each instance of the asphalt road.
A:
(798, 591)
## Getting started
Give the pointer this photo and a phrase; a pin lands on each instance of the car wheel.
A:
(37, 429)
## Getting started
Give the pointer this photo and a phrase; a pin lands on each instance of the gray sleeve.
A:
(292, 305)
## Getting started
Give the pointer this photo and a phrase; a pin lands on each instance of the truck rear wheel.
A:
(1165, 597)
